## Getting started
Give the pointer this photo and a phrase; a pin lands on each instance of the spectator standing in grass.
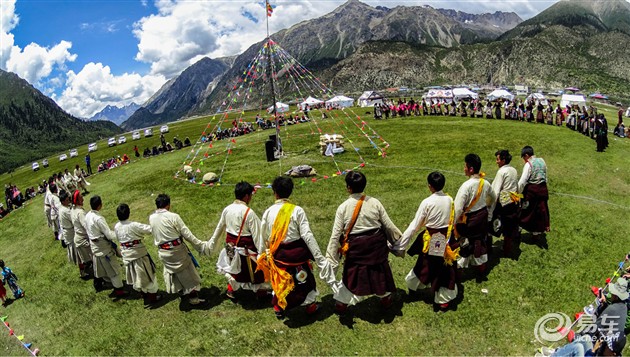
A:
(290, 248)
(505, 208)
(104, 250)
(180, 266)
(81, 240)
(437, 251)
(360, 235)
(472, 202)
(534, 216)
(243, 242)
(88, 164)
(139, 267)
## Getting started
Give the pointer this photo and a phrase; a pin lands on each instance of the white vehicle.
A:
(74, 153)
(45, 162)
(148, 132)
(92, 147)
(135, 135)
(111, 142)
(35, 166)
(63, 157)
(164, 129)
(122, 139)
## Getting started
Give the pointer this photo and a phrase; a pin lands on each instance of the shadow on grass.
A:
(540, 241)
(248, 300)
(212, 297)
(298, 317)
(166, 298)
(371, 311)
(8, 302)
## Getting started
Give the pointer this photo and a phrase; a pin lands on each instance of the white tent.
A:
(571, 99)
(369, 98)
(340, 101)
(310, 101)
(464, 93)
(280, 107)
(537, 98)
(500, 93)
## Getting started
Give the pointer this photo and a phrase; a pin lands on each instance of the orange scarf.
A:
(281, 281)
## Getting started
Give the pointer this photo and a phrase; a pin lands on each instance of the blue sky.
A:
(87, 54)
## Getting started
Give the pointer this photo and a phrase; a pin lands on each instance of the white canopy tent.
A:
(369, 98)
(439, 94)
(340, 101)
(571, 99)
(280, 107)
(537, 98)
(464, 93)
(310, 101)
(500, 94)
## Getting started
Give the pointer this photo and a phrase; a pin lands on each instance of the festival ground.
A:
(589, 204)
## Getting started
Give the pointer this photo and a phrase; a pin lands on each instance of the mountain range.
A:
(358, 47)
(36, 125)
(116, 114)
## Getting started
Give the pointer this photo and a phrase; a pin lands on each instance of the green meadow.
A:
(589, 205)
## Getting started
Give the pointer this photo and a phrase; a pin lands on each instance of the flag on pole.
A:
(269, 9)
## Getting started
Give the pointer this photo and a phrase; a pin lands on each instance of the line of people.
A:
(272, 255)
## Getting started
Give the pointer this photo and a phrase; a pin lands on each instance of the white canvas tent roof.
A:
(369, 98)
(500, 93)
(461, 93)
(310, 101)
(570, 99)
(280, 107)
(538, 97)
(341, 101)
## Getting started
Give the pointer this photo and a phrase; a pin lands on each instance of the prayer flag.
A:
(269, 9)
(20, 337)
(3, 318)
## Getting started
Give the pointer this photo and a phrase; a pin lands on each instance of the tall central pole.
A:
(270, 71)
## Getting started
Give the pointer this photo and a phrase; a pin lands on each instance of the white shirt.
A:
(298, 229)
(78, 221)
(467, 192)
(65, 224)
(371, 216)
(99, 233)
(505, 181)
(433, 212)
(230, 222)
(168, 226)
(525, 176)
(53, 199)
(126, 232)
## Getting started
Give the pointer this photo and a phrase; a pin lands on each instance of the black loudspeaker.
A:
(270, 147)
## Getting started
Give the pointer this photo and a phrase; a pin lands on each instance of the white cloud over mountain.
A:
(180, 33)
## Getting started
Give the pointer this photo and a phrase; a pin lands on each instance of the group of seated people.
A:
(283, 120)
(113, 162)
(14, 198)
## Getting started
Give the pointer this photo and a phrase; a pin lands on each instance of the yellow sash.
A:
(281, 281)
(450, 255)
(344, 243)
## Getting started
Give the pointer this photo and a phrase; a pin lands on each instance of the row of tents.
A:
(371, 98)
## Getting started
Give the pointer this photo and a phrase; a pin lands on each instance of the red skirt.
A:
(476, 230)
(535, 211)
(3, 291)
(366, 270)
(244, 276)
(293, 258)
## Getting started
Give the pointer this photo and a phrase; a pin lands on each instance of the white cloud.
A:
(33, 62)
(95, 87)
(183, 31)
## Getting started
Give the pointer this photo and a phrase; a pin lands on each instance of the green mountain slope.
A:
(33, 125)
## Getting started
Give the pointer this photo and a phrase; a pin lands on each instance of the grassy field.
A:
(589, 204)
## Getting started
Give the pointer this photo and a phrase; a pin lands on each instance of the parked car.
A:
(35, 166)
(148, 132)
(135, 135)
(63, 157)
(111, 142)
(164, 129)
(45, 162)
(74, 153)
(122, 139)
(92, 147)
